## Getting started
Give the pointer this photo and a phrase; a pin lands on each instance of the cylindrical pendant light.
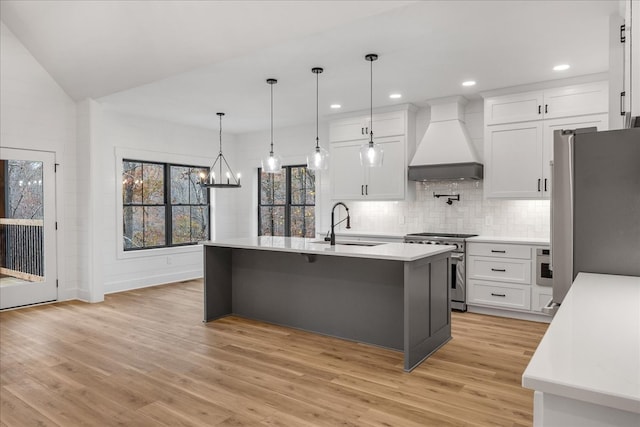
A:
(318, 159)
(371, 155)
(273, 162)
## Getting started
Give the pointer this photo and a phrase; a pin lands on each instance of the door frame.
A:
(29, 293)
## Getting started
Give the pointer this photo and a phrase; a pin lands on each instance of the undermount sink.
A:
(350, 243)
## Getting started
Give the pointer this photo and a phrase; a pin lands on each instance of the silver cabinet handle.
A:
(539, 184)
(498, 295)
(366, 190)
(498, 252)
(362, 190)
(499, 269)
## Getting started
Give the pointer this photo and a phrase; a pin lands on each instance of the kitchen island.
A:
(393, 295)
(586, 370)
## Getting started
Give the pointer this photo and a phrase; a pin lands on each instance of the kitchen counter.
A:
(511, 240)
(586, 369)
(393, 295)
(343, 248)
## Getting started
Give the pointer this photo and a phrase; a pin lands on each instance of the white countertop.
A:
(591, 351)
(372, 234)
(508, 239)
(390, 251)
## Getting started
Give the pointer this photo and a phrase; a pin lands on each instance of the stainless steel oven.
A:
(458, 293)
(544, 275)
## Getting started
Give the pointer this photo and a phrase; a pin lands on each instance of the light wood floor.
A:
(145, 358)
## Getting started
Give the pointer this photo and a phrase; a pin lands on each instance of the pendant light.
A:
(318, 159)
(272, 163)
(371, 155)
(209, 181)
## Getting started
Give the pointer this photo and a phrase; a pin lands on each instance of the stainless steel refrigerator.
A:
(595, 206)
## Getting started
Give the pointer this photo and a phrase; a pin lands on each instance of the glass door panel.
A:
(27, 228)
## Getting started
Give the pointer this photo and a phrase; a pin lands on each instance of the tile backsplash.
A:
(472, 214)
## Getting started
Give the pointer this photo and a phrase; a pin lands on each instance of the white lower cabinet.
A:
(507, 295)
(502, 276)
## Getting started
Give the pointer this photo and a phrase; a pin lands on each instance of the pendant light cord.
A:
(271, 152)
(371, 104)
(220, 134)
(317, 119)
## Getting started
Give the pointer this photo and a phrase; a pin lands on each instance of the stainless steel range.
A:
(458, 275)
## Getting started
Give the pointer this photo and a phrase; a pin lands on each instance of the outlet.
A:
(401, 219)
(488, 220)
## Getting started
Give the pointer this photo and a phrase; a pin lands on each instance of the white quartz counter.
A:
(389, 251)
(591, 351)
(508, 239)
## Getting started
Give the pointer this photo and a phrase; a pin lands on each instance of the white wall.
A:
(292, 144)
(124, 136)
(36, 114)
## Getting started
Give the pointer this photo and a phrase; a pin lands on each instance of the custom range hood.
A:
(446, 151)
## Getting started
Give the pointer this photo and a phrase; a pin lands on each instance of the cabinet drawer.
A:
(499, 250)
(499, 295)
(500, 269)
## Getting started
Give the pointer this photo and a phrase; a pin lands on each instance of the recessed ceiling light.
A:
(561, 67)
(469, 83)
(395, 95)
(336, 106)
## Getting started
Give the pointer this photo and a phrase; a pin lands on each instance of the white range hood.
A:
(446, 151)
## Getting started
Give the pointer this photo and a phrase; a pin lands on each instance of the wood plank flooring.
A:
(144, 358)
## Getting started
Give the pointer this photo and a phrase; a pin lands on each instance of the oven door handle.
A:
(457, 257)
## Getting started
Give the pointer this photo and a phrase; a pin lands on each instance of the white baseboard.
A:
(536, 317)
(145, 282)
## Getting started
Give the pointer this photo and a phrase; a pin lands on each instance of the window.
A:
(286, 204)
(162, 205)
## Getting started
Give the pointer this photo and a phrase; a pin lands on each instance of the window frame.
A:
(167, 204)
(288, 199)
(122, 153)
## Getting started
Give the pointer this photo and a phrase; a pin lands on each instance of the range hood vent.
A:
(446, 151)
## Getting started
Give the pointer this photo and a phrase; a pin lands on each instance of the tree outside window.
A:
(163, 205)
(286, 205)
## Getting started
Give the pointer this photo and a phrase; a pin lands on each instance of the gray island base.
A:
(373, 295)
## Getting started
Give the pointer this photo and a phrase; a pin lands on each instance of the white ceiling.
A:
(183, 61)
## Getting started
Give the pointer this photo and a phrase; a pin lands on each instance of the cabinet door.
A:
(599, 121)
(358, 128)
(388, 182)
(355, 128)
(347, 174)
(513, 108)
(513, 160)
(590, 98)
(388, 124)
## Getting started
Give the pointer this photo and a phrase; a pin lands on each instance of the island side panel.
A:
(217, 282)
(427, 316)
(354, 298)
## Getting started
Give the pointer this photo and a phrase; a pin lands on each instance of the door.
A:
(599, 121)
(388, 181)
(514, 160)
(27, 228)
(347, 174)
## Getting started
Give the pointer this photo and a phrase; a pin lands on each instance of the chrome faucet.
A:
(333, 224)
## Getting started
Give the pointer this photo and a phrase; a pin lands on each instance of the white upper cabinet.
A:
(349, 179)
(513, 160)
(589, 98)
(519, 138)
(519, 107)
(358, 128)
(576, 100)
(352, 181)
